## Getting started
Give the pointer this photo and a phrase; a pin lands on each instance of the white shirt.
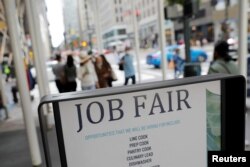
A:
(87, 74)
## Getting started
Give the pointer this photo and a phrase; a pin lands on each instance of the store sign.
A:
(155, 128)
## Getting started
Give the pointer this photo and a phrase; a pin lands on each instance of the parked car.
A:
(50, 74)
(197, 55)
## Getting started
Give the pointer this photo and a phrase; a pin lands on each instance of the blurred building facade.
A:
(201, 24)
(213, 19)
(116, 20)
(225, 19)
(111, 20)
(86, 21)
(146, 14)
(71, 23)
(25, 39)
(113, 27)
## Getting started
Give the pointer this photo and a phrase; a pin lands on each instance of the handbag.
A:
(113, 76)
(171, 64)
(121, 64)
(63, 77)
(63, 80)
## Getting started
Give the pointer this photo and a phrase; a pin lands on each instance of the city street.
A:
(148, 72)
(33, 33)
(14, 126)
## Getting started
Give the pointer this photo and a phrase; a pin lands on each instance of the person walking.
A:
(87, 74)
(103, 71)
(129, 70)
(31, 81)
(178, 63)
(222, 61)
(70, 75)
(112, 76)
(58, 71)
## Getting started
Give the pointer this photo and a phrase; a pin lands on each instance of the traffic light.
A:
(190, 7)
(84, 44)
(165, 13)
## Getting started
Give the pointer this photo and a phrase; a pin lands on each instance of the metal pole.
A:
(98, 28)
(172, 32)
(136, 39)
(2, 91)
(38, 47)
(243, 23)
(162, 38)
(80, 16)
(35, 49)
(186, 28)
(227, 3)
(89, 31)
(42, 36)
(14, 30)
(226, 10)
(3, 45)
(2, 84)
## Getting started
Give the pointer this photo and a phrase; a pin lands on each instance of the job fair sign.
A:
(157, 127)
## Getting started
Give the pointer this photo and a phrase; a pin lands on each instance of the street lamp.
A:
(88, 25)
(161, 22)
(190, 8)
(135, 14)
(65, 39)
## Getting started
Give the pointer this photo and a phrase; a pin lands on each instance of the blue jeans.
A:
(92, 87)
(127, 78)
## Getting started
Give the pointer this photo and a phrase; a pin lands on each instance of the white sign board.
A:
(152, 128)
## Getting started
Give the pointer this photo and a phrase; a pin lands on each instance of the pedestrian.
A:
(129, 70)
(58, 71)
(103, 71)
(31, 81)
(7, 72)
(5, 66)
(178, 63)
(70, 75)
(112, 76)
(222, 61)
(87, 74)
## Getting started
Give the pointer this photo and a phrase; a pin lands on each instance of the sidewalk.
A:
(14, 148)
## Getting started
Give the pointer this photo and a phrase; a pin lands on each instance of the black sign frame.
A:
(233, 103)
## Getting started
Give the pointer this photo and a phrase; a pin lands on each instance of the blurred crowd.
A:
(8, 69)
(94, 71)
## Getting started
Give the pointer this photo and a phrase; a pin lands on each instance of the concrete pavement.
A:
(14, 148)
